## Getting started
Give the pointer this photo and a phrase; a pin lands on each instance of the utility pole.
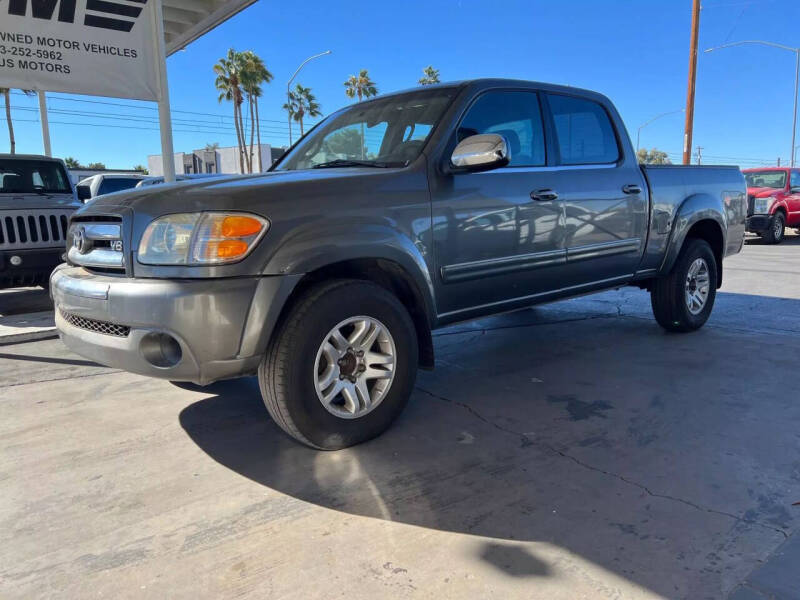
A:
(699, 155)
(779, 161)
(687, 134)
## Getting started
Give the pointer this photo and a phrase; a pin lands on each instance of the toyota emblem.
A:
(79, 241)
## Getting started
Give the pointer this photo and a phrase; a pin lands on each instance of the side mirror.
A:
(481, 153)
(84, 192)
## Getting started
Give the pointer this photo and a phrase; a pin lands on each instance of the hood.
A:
(15, 201)
(231, 193)
(763, 192)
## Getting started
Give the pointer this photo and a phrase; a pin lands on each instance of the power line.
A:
(153, 108)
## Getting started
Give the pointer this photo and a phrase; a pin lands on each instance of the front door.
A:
(498, 235)
(793, 199)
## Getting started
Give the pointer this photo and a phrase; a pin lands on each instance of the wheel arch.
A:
(700, 216)
(388, 274)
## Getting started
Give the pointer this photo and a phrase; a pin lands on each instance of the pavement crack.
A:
(105, 372)
(528, 441)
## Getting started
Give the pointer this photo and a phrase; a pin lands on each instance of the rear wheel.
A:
(683, 300)
(341, 367)
(774, 235)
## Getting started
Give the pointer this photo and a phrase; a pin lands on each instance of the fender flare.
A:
(315, 248)
(321, 246)
(694, 209)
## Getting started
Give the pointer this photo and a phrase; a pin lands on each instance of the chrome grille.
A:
(97, 326)
(34, 228)
(96, 244)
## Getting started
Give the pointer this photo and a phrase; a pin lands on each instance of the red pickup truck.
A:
(773, 201)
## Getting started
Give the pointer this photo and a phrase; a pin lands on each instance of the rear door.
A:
(603, 192)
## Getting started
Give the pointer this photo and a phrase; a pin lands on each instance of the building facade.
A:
(217, 160)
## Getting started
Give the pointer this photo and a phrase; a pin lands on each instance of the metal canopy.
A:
(186, 20)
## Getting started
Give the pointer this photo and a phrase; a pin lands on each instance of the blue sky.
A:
(636, 52)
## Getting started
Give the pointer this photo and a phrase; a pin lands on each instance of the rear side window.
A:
(115, 184)
(794, 182)
(514, 115)
(584, 131)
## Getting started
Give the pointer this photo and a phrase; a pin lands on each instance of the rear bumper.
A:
(34, 266)
(758, 223)
(214, 328)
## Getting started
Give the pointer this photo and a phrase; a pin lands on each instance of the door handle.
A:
(544, 195)
(631, 188)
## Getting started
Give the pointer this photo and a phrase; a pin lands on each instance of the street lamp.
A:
(796, 76)
(646, 123)
(289, 85)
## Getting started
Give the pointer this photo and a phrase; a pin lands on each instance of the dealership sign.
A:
(98, 47)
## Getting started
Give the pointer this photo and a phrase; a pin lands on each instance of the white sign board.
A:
(97, 47)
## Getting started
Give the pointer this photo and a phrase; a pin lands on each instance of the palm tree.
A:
(429, 76)
(212, 146)
(72, 163)
(229, 83)
(255, 73)
(302, 103)
(7, 96)
(361, 86)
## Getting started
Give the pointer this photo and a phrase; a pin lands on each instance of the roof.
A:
(28, 157)
(489, 82)
(187, 20)
(767, 169)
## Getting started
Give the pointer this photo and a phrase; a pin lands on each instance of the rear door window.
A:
(583, 130)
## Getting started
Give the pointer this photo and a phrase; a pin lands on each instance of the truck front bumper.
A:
(28, 267)
(758, 223)
(198, 330)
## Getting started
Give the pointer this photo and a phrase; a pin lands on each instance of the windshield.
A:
(388, 132)
(766, 179)
(21, 176)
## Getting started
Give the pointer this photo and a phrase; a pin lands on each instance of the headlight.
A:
(761, 206)
(210, 238)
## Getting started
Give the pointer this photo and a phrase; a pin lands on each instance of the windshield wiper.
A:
(346, 162)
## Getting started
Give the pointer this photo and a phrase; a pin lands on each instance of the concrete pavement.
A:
(26, 314)
(570, 451)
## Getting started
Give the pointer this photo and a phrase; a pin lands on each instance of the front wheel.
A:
(683, 300)
(774, 235)
(342, 365)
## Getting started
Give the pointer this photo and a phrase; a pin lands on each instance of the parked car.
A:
(106, 183)
(326, 277)
(773, 201)
(159, 179)
(36, 201)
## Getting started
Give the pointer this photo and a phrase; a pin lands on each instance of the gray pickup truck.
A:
(36, 201)
(391, 218)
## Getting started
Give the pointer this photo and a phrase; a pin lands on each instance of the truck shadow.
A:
(601, 461)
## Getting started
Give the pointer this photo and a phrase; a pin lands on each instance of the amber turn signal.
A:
(228, 249)
(240, 226)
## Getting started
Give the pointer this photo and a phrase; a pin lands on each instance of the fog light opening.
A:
(161, 350)
(15, 260)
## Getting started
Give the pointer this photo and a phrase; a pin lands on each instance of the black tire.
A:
(286, 374)
(776, 231)
(668, 294)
